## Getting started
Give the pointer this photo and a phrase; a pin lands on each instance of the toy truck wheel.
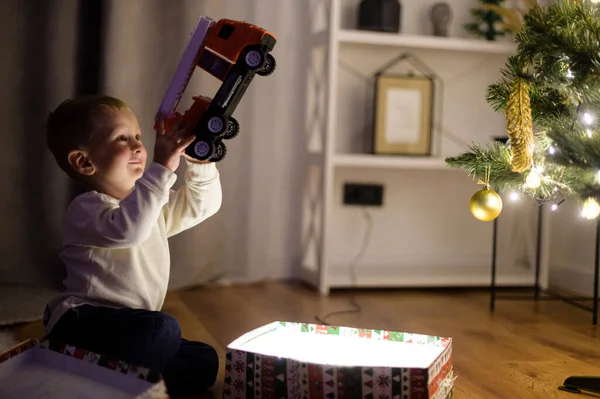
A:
(216, 125)
(232, 130)
(203, 150)
(220, 152)
(254, 59)
(269, 66)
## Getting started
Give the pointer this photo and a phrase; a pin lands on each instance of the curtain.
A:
(56, 49)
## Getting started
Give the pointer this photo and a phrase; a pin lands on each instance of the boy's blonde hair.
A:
(72, 124)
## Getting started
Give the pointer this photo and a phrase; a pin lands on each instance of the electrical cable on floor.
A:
(357, 258)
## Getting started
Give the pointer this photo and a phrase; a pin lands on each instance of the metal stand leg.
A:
(538, 291)
(494, 245)
(597, 262)
(538, 254)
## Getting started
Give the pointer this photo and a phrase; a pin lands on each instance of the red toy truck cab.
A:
(233, 52)
(229, 40)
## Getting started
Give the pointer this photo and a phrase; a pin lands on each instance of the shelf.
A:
(388, 161)
(425, 42)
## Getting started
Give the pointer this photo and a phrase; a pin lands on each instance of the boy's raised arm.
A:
(95, 219)
(198, 199)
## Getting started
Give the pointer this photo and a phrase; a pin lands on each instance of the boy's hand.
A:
(170, 145)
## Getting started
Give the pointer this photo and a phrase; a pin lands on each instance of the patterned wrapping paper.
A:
(157, 390)
(252, 375)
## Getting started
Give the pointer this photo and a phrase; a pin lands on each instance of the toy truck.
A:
(233, 52)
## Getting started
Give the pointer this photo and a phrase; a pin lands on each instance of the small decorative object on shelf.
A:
(488, 23)
(441, 14)
(513, 16)
(379, 15)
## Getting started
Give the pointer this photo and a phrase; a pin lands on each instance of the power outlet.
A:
(363, 194)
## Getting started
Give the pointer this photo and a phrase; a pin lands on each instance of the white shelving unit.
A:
(346, 36)
(383, 161)
(321, 265)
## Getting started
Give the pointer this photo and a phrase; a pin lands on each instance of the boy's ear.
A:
(79, 160)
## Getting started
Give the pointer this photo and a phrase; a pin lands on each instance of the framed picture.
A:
(403, 115)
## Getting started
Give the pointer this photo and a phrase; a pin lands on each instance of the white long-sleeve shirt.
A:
(116, 253)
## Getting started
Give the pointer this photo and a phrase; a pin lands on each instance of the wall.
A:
(572, 243)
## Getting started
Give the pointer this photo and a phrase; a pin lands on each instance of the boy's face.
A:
(117, 153)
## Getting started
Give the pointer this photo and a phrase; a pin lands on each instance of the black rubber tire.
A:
(269, 66)
(220, 152)
(232, 129)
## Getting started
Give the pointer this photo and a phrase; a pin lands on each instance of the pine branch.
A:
(497, 157)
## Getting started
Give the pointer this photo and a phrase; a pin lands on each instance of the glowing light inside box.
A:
(339, 350)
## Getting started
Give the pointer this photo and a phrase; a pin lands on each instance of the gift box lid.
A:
(50, 370)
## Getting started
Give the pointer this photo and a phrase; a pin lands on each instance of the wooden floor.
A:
(524, 350)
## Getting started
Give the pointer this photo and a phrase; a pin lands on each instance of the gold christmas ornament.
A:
(520, 126)
(486, 205)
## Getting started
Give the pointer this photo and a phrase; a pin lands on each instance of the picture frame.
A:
(403, 115)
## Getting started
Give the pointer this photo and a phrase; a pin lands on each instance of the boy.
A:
(115, 244)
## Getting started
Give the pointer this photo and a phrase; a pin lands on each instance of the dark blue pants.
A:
(145, 338)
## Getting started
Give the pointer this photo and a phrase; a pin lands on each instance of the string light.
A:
(533, 180)
(551, 150)
(590, 209)
(514, 196)
(570, 74)
(555, 206)
(587, 118)
(589, 133)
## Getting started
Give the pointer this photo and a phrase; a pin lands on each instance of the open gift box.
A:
(46, 369)
(300, 360)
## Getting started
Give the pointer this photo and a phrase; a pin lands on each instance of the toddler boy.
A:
(115, 245)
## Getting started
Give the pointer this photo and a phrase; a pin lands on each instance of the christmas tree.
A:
(550, 94)
(487, 21)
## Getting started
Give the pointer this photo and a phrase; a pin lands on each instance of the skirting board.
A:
(572, 278)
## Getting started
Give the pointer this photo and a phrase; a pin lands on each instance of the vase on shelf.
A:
(379, 15)
(440, 15)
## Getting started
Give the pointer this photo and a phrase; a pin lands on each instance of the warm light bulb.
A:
(591, 209)
(554, 207)
(551, 150)
(533, 180)
(587, 118)
(514, 196)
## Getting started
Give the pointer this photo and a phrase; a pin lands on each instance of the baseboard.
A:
(572, 278)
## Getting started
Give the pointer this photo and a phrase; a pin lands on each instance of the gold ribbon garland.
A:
(520, 126)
